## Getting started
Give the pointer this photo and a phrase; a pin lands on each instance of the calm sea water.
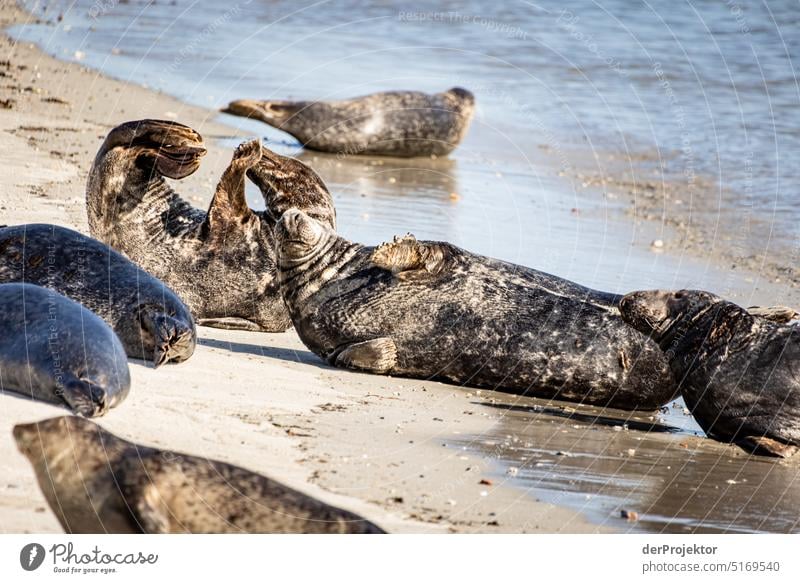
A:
(689, 90)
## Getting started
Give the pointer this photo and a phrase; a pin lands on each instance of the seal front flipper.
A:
(766, 446)
(778, 314)
(229, 204)
(406, 256)
(141, 480)
(376, 356)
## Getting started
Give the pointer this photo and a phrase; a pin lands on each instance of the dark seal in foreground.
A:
(432, 310)
(150, 320)
(53, 349)
(96, 482)
(393, 123)
(737, 371)
(220, 262)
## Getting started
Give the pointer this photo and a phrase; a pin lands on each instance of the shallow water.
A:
(704, 89)
(682, 90)
(603, 461)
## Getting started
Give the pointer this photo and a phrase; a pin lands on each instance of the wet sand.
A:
(413, 456)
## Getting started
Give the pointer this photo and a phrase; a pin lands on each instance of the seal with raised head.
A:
(222, 262)
(391, 123)
(431, 310)
(53, 349)
(736, 371)
(96, 482)
(150, 320)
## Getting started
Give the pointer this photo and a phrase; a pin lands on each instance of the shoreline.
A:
(261, 401)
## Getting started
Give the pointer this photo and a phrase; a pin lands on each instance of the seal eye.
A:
(678, 295)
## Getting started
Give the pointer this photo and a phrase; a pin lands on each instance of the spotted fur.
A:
(96, 482)
(394, 123)
(431, 310)
(737, 370)
(221, 262)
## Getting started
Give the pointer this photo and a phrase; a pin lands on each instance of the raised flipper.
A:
(767, 446)
(777, 314)
(229, 204)
(406, 256)
(376, 356)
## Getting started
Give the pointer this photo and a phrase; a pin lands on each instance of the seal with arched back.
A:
(96, 482)
(431, 310)
(737, 371)
(221, 262)
(392, 123)
(52, 349)
(150, 320)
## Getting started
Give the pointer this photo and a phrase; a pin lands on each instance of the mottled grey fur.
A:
(393, 123)
(736, 371)
(432, 310)
(150, 320)
(96, 482)
(220, 262)
(53, 349)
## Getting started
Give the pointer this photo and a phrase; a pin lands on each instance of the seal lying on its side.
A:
(220, 262)
(96, 482)
(736, 370)
(393, 123)
(150, 320)
(53, 349)
(432, 310)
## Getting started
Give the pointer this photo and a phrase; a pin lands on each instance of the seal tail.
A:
(274, 113)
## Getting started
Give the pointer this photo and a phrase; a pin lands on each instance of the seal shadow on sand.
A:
(274, 352)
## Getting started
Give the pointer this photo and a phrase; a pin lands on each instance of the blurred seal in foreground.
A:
(96, 482)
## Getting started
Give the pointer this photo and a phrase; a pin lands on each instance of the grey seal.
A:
(221, 262)
(96, 482)
(737, 370)
(150, 320)
(392, 123)
(432, 310)
(53, 349)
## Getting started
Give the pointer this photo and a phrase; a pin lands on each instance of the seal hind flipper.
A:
(173, 339)
(229, 203)
(273, 113)
(376, 356)
(778, 314)
(405, 255)
(766, 446)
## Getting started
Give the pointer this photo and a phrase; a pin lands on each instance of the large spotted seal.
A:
(150, 320)
(53, 349)
(220, 262)
(432, 310)
(737, 371)
(96, 482)
(392, 123)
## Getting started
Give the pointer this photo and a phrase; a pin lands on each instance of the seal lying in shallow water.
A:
(53, 349)
(432, 310)
(150, 320)
(736, 370)
(220, 262)
(393, 123)
(96, 482)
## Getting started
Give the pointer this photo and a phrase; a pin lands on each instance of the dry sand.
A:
(375, 445)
